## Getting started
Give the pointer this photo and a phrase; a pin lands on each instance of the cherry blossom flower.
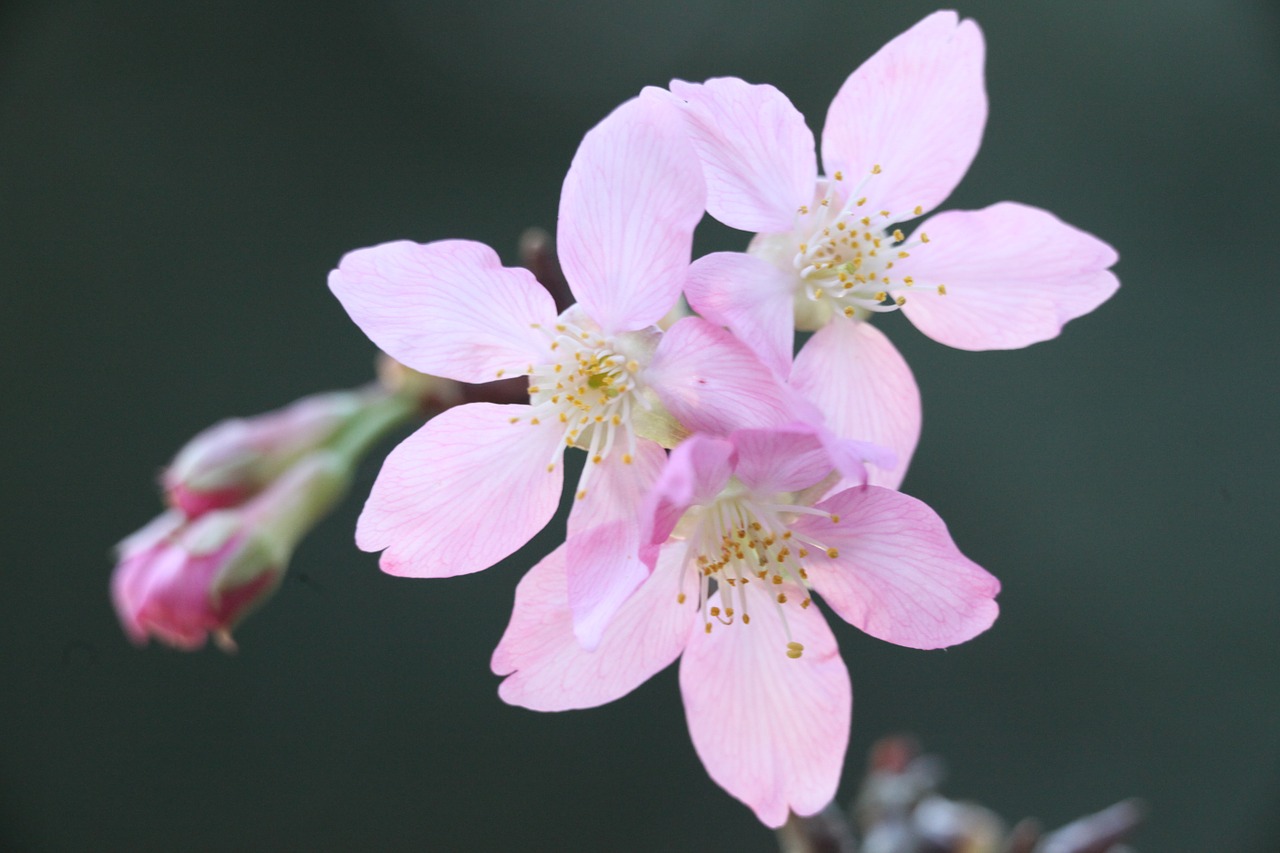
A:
(899, 136)
(740, 537)
(477, 482)
(181, 580)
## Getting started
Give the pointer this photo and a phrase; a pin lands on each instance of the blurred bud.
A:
(181, 579)
(233, 460)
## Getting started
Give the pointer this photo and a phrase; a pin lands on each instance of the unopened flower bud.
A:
(181, 580)
(234, 459)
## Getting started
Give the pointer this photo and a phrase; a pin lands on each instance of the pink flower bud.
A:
(233, 460)
(181, 580)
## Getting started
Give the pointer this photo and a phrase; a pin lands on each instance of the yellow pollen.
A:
(534, 421)
(875, 170)
(501, 373)
(794, 650)
(908, 281)
(513, 420)
(901, 300)
(884, 213)
(839, 176)
(833, 553)
(849, 312)
(904, 255)
(861, 201)
(924, 238)
(881, 296)
(804, 209)
(918, 210)
(597, 459)
(942, 290)
(898, 235)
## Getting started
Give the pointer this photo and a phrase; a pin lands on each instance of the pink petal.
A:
(615, 490)
(447, 308)
(771, 730)
(863, 387)
(712, 382)
(695, 472)
(757, 153)
(897, 574)
(603, 568)
(548, 670)
(786, 459)
(630, 202)
(1014, 275)
(461, 493)
(752, 297)
(916, 109)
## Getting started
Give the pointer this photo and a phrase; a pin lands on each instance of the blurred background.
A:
(176, 179)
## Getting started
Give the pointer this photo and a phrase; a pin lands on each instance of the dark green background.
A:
(176, 179)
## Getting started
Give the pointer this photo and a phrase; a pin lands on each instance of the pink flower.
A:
(740, 537)
(235, 459)
(181, 580)
(899, 136)
(477, 482)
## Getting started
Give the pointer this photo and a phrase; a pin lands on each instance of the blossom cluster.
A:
(729, 483)
(731, 487)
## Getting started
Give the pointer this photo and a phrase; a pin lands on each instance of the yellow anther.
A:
(898, 235)
(805, 604)
(817, 293)
(866, 220)
(626, 459)
(835, 519)
(860, 202)
(833, 553)
(881, 296)
(849, 312)
(839, 176)
(728, 611)
(680, 598)
(804, 552)
(908, 281)
(501, 373)
(715, 611)
(918, 210)
(924, 238)
(513, 420)
(901, 300)
(942, 290)
(804, 575)
(884, 213)
(904, 255)
(558, 368)
(804, 247)
(746, 620)
(840, 226)
(875, 170)
(804, 209)
(551, 467)
(776, 579)
(597, 459)
(708, 627)
(534, 421)
(782, 598)
(581, 494)
(797, 646)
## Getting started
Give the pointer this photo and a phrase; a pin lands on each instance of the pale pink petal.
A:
(864, 388)
(464, 491)
(547, 668)
(771, 730)
(712, 382)
(752, 298)
(1013, 274)
(757, 153)
(614, 489)
(633, 195)
(447, 308)
(916, 109)
(785, 459)
(896, 574)
(695, 472)
(603, 568)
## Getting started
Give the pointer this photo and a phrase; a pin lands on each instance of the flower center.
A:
(589, 389)
(844, 254)
(747, 547)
